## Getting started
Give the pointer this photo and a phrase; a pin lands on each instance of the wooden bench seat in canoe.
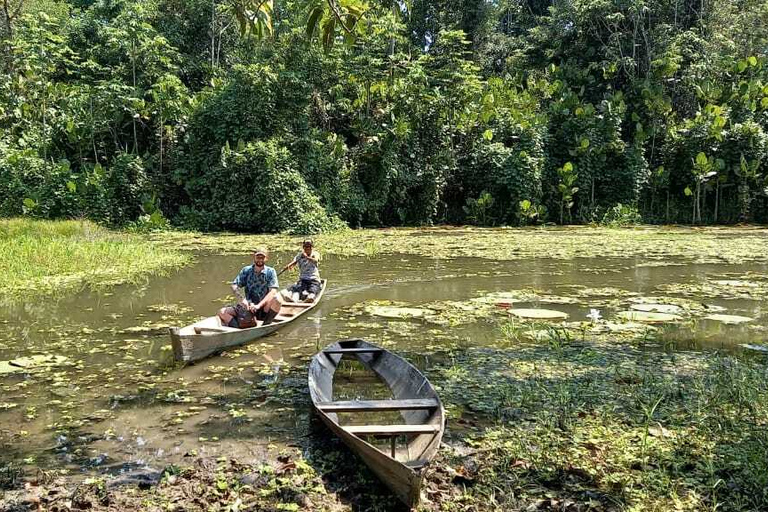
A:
(379, 405)
(352, 351)
(390, 430)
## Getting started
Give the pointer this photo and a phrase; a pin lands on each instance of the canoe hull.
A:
(189, 345)
(404, 473)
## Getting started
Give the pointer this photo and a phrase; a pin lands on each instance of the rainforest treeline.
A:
(308, 115)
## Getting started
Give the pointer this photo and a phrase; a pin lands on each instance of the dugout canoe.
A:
(414, 439)
(208, 336)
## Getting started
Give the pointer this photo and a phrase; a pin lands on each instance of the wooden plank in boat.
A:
(390, 430)
(352, 350)
(378, 405)
(200, 330)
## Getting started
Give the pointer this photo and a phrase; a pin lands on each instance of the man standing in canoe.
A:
(309, 284)
(260, 300)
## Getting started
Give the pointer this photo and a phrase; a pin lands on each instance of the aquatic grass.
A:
(51, 257)
(684, 431)
(653, 244)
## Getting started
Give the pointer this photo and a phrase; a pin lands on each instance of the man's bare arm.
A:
(236, 291)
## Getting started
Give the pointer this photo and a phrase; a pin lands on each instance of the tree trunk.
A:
(213, 33)
(744, 201)
(666, 213)
(717, 200)
(133, 116)
(161, 145)
(694, 198)
(10, 14)
(93, 135)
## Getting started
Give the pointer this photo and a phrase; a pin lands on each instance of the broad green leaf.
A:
(488, 135)
(701, 159)
(688, 192)
(314, 16)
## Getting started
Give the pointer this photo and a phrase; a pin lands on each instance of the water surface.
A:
(119, 401)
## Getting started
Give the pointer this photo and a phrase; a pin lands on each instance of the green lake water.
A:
(118, 400)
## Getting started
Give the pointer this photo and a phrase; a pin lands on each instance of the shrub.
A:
(479, 211)
(256, 188)
(621, 215)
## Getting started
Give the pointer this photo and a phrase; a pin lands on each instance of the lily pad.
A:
(5, 367)
(729, 319)
(648, 317)
(657, 308)
(539, 314)
(736, 283)
(398, 312)
(25, 363)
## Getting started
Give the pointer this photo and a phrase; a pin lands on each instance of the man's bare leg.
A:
(226, 314)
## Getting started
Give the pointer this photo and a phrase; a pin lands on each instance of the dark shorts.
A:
(307, 285)
(241, 315)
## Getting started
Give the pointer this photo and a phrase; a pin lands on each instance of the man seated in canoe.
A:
(308, 285)
(260, 302)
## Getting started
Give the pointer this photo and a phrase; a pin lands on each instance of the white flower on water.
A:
(594, 315)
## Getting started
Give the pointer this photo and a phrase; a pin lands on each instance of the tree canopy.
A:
(305, 115)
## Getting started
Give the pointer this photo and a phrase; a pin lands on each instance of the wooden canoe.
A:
(413, 442)
(208, 336)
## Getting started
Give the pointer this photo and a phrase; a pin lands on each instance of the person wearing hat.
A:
(259, 302)
(308, 285)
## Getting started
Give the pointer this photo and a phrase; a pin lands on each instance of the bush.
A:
(479, 211)
(32, 186)
(126, 189)
(256, 188)
(621, 215)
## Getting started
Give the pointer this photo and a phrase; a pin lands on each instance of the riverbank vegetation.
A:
(302, 116)
(653, 245)
(48, 258)
(564, 419)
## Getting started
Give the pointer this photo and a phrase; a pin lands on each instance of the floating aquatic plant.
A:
(648, 317)
(538, 314)
(729, 319)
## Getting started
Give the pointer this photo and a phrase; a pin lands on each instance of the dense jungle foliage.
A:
(305, 115)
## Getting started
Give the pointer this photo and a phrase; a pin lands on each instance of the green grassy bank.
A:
(54, 257)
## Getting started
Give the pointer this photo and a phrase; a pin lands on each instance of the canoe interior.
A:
(208, 336)
(397, 431)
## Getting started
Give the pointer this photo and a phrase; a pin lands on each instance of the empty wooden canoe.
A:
(414, 440)
(209, 336)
